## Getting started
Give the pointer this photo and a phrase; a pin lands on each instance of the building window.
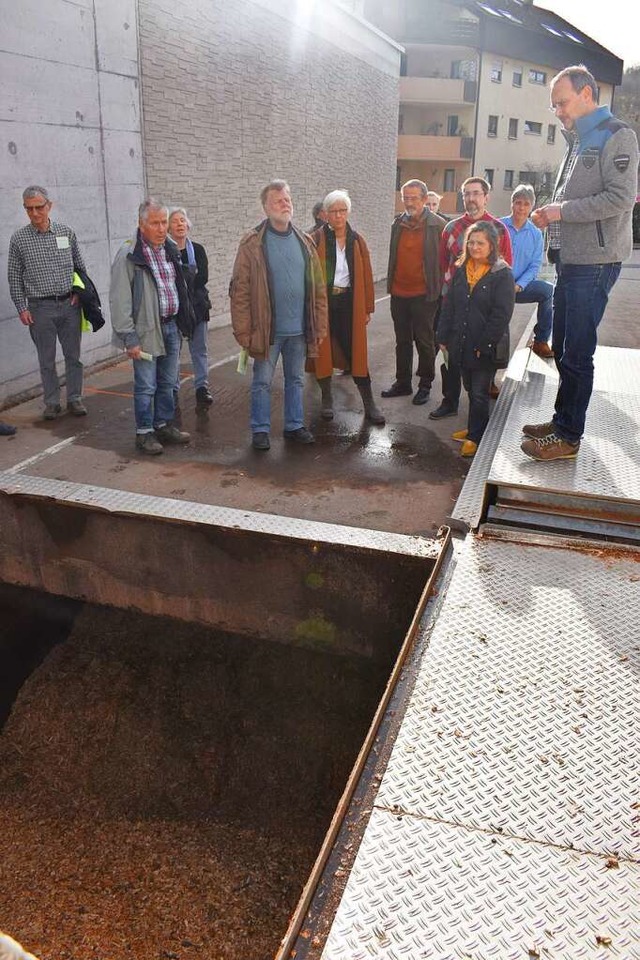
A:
(531, 127)
(527, 176)
(400, 122)
(508, 179)
(488, 175)
(513, 129)
(449, 181)
(492, 128)
(537, 76)
(398, 178)
(517, 77)
(551, 133)
(546, 183)
(496, 72)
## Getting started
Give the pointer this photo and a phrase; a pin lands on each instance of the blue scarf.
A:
(191, 256)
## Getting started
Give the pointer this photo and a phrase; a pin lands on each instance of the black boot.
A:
(326, 408)
(371, 412)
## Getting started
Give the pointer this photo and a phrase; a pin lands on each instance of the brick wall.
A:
(234, 94)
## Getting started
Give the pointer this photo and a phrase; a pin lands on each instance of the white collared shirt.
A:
(341, 278)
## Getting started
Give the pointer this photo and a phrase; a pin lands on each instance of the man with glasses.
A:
(413, 280)
(590, 234)
(475, 194)
(42, 259)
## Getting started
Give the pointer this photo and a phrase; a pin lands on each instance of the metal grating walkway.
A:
(504, 824)
(598, 493)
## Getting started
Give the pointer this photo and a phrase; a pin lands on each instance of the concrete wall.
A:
(237, 93)
(234, 93)
(70, 121)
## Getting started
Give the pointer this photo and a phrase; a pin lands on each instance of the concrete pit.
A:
(167, 785)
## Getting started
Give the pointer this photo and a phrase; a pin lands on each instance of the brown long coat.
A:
(330, 355)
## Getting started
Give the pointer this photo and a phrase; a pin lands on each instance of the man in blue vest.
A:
(590, 235)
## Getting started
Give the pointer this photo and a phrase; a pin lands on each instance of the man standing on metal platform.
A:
(590, 235)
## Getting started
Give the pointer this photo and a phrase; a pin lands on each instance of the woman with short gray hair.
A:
(196, 264)
(346, 264)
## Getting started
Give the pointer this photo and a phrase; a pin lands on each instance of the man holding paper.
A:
(42, 259)
(278, 308)
(150, 309)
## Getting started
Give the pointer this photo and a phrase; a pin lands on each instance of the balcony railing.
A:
(433, 147)
(432, 90)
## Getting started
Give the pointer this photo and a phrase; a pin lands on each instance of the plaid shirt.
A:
(165, 277)
(451, 245)
(558, 196)
(39, 266)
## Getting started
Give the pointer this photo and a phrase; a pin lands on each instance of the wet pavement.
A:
(403, 477)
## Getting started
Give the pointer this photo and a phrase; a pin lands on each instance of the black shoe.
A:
(6, 430)
(260, 441)
(203, 397)
(444, 410)
(397, 390)
(421, 396)
(147, 443)
(301, 435)
(171, 434)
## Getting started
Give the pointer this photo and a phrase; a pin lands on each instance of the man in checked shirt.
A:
(42, 260)
(150, 308)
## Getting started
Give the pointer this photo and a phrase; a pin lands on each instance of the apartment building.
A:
(474, 91)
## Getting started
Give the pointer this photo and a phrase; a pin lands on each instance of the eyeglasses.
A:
(338, 210)
(36, 208)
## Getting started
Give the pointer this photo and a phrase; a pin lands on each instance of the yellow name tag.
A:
(63, 243)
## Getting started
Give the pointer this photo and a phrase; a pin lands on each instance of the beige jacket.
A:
(251, 300)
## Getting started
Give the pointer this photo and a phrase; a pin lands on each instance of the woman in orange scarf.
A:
(347, 270)
(474, 323)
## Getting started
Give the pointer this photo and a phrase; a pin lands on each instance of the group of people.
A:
(308, 296)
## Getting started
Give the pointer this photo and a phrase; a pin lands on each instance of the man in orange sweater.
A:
(414, 282)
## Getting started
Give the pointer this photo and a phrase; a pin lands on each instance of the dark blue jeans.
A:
(579, 302)
(477, 381)
(540, 292)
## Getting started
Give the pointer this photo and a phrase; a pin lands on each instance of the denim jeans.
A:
(52, 321)
(199, 357)
(413, 319)
(477, 381)
(154, 382)
(579, 302)
(294, 354)
(540, 292)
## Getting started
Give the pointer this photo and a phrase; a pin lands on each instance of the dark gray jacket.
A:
(600, 192)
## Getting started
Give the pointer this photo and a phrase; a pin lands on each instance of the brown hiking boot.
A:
(551, 447)
(538, 430)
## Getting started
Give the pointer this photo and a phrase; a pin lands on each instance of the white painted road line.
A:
(41, 456)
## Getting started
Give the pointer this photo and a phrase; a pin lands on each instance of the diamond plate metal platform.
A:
(598, 493)
(506, 823)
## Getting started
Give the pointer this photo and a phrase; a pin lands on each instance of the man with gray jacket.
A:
(150, 308)
(590, 235)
